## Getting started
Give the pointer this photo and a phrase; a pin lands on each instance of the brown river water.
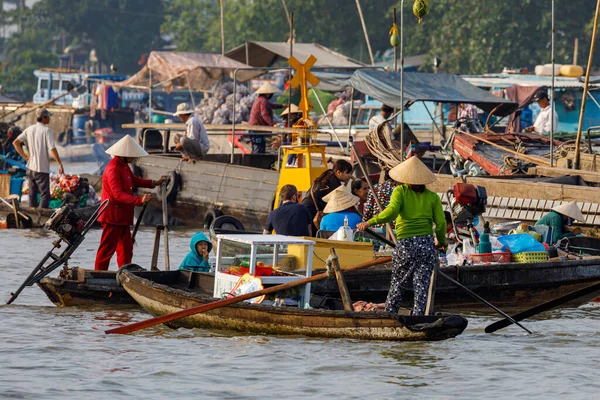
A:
(49, 352)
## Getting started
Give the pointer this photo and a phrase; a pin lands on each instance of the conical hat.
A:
(126, 147)
(339, 200)
(412, 172)
(571, 210)
(344, 186)
(267, 88)
(294, 110)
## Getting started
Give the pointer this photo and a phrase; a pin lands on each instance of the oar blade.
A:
(549, 305)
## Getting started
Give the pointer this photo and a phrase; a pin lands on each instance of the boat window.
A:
(55, 84)
(63, 85)
(43, 83)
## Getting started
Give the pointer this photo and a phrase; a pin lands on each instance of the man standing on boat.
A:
(118, 182)
(543, 122)
(194, 144)
(261, 114)
(39, 141)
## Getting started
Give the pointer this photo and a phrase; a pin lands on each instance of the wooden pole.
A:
(575, 51)
(291, 22)
(165, 225)
(552, 111)
(340, 281)
(585, 86)
(431, 293)
(15, 203)
(395, 47)
(364, 26)
(222, 30)
(221, 303)
(155, 249)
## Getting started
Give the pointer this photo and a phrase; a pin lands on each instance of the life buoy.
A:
(227, 222)
(173, 187)
(128, 267)
(210, 216)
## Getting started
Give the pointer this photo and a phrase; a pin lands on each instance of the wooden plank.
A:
(588, 176)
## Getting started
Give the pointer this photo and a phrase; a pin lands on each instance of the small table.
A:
(224, 283)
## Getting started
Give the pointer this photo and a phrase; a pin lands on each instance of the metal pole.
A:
(402, 80)
(395, 50)
(350, 118)
(552, 96)
(364, 26)
(327, 118)
(222, 30)
(289, 114)
(233, 117)
(150, 97)
(585, 86)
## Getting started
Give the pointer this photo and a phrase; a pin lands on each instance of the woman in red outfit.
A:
(118, 182)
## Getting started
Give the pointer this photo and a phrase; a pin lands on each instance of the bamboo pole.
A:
(222, 30)
(402, 80)
(364, 26)
(585, 86)
(552, 111)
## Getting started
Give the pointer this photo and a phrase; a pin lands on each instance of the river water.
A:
(49, 352)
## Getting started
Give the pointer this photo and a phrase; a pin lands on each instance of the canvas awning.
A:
(195, 71)
(418, 86)
(265, 54)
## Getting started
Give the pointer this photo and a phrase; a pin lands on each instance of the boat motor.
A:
(467, 202)
(66, 223)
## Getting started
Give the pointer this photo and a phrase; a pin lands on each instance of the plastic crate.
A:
(4, 185)
(486, 258)
(530, 257)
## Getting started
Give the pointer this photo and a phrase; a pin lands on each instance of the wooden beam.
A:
(588, 176)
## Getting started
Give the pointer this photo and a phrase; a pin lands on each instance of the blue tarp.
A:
(418, 86)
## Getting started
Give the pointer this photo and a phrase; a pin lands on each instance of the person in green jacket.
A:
(197, 259)
(415, 210)
(558, 219)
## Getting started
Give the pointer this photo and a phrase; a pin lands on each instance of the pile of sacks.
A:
(218, 110)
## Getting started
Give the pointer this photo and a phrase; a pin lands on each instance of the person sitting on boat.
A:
(360, 188)
(294, 116)
(327, 182)
(383, 116)
(197, 259)
(118, 182)
(39, 141)
(261, 114)
(559, 219)
(290, 218)
(415, 209)
(340, 205)
(194, 144)
(466, 110)
(543, 122)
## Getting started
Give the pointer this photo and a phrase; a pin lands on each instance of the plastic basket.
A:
(486, 258)
(4, 185)
(530, 257)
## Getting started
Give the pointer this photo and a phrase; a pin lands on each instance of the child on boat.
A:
(197, 259)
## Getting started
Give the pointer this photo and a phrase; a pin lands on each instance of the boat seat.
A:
(152, 139)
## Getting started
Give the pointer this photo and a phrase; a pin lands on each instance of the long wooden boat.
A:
(168, 292)
(511, 286)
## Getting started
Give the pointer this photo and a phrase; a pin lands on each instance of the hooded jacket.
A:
(194, 261)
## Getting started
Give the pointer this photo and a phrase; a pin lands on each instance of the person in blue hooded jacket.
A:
(197, 259)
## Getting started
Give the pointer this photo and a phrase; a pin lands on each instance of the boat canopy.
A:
(266, 54)
(418, 86)
(194, 71)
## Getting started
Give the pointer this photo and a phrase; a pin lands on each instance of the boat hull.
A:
(161, 299)
(511, 286)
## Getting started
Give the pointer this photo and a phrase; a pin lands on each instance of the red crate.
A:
(486, 258)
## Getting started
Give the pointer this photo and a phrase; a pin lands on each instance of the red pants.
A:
(114, 237)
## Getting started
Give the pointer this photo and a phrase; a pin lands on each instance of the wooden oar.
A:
(549, 305)
(460, 285)
(221, 303)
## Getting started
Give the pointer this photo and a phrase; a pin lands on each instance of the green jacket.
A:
(554, 220)
(415, 214)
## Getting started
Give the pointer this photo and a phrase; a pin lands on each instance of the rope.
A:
(379, 143)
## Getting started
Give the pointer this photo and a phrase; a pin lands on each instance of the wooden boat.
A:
(511, 286)
(167, 292)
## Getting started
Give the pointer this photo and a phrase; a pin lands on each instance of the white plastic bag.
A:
(451, 256)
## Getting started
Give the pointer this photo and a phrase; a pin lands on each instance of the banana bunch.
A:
(420, 9)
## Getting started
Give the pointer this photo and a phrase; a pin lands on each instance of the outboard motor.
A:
(467, 201)
(66, 223)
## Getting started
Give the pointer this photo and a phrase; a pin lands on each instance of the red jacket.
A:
(118, 182)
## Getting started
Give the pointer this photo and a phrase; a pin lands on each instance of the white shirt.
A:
(542, 124)
(39, 141)
(196, 131)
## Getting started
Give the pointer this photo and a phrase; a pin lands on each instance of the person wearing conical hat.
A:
(415, 209)
(294, 113)
(118, 182)
(194, 144)
(340, 205)
(559, 219)
(261, 114)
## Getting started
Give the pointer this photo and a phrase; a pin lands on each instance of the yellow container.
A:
(349, 253)
(574, 71)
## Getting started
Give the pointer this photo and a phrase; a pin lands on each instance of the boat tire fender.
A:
(173, 186)
(128, 267)
(224, 220)
(210, 216)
